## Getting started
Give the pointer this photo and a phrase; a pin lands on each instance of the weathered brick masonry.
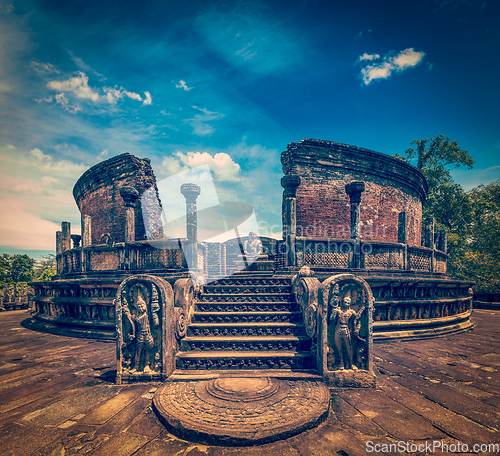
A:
(326, 167)
(97, 193)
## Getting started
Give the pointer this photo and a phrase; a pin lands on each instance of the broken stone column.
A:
(354, 190)
(86, 230)
(86, 241)
(443, 241)
(191, 193)
(290, 183)
(429, 232)
(66, 235)
(402, 233)
(403, 238)
(59, 242)
(130, 196)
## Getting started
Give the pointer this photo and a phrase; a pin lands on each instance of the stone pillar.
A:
(443, 241)
(403, 238)
(354, 190)
(290, 184)
(86, 241)
(429, 232)
(191, 193)
(402, 233)
(86, 230)
(130, 196)
(66, 235)
(59, 242)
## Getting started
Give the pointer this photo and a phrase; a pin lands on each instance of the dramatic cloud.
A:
(182, 85)
(405, 59)
(200, 122)
(222, 165)
(34, 195)
(78, 85)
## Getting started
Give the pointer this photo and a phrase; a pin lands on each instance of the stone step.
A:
(245, 329)
(255, 289)
(295, 374)
(230, 306)
(250, 280)
(246, 317)
(218, 360)
(245, 297)
(255, 343)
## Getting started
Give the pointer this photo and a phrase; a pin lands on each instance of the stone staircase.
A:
(246, 322)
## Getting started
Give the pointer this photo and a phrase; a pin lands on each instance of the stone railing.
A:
(347, 253)
(144, 255)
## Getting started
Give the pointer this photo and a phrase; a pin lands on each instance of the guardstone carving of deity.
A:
(345, 338)
(145, 343)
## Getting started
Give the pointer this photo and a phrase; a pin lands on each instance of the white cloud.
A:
(78, 85)
(44, 68)
(147, 99)
(366, 56)
(182, 85)
(200, 124)
(222, 165)
(405, 59)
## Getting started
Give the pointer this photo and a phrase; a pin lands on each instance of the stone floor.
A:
(57, 397)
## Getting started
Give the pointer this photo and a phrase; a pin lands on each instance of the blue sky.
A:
(230, 84)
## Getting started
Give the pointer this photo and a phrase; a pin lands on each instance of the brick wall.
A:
(323, 209)
(97, 193)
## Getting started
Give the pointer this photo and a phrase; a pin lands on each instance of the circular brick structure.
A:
(241, 411)
(323, 208)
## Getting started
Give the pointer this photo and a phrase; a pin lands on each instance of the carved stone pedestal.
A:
(241, 411)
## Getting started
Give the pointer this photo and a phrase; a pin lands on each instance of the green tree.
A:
(46, 268)
(22, 268)
(480, 259)
(5, 269)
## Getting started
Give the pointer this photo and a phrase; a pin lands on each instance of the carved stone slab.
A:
(241, 411)
(145, 335)
(345, 337)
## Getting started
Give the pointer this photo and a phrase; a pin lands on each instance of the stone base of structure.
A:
(350, 379)
(241, 411)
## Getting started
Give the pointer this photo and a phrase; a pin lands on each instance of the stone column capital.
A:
(190, 192)
(354, 190)
(290, 183)
(129, 195)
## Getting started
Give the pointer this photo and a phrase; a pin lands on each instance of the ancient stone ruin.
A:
(298, 313)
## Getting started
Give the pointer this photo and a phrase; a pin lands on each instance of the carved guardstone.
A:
(145, 335)
(345, 336)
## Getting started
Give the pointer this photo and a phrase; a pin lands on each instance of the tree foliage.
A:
(472, 218)
(22, 269)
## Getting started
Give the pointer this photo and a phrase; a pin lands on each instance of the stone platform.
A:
(58, 397)
(241, 411)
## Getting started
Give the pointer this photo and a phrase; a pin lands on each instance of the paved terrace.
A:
(57, 397)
